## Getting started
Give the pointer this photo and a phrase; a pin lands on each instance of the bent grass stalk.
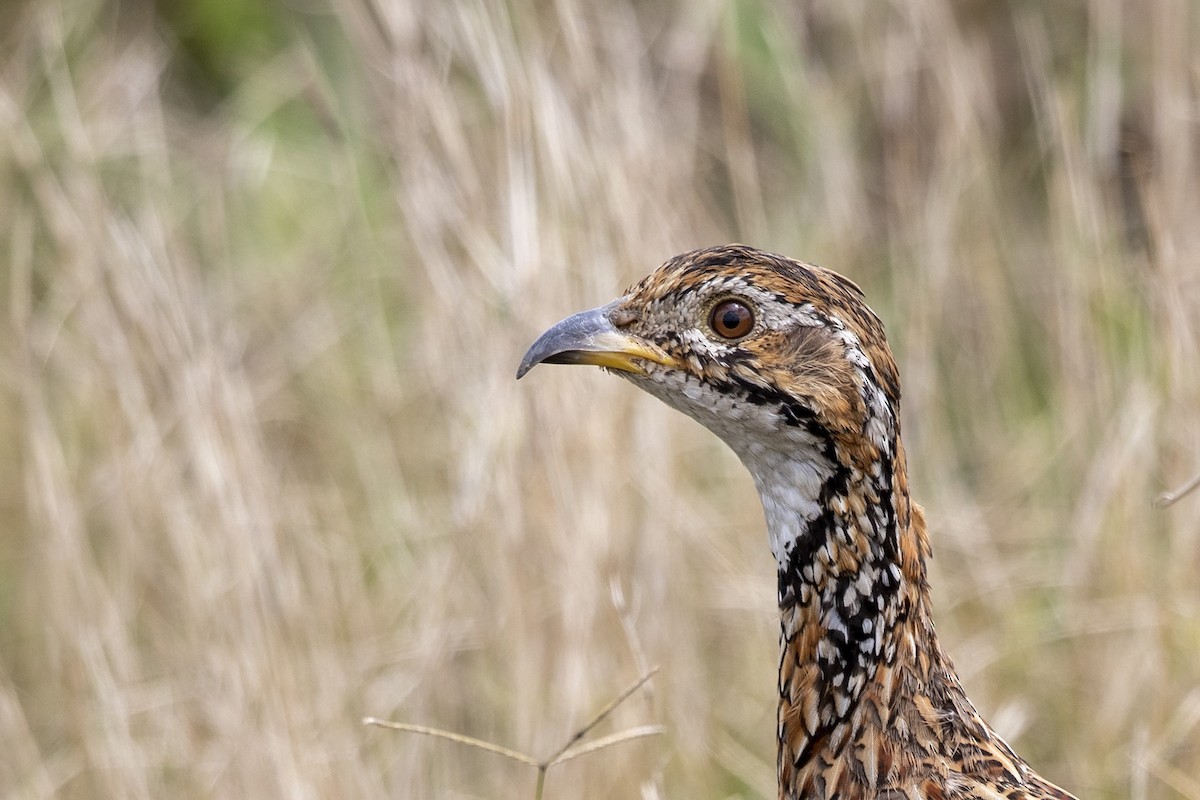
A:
(560, 756)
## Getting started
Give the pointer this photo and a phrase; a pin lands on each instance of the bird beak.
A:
(589, 337)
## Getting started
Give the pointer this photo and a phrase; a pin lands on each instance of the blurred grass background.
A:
(269, 269)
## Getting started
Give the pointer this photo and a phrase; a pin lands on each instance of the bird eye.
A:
(731, 319)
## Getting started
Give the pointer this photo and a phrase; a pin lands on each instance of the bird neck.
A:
(850, 549)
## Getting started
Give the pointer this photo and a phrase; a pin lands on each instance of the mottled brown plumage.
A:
(787, 364)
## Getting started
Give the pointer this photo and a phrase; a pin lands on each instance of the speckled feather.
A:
(869, 704)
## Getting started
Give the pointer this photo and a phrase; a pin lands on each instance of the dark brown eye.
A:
(731, 319)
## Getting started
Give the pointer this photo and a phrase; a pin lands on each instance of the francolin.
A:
(785, 362)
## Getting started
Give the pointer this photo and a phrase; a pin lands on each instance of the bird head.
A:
(769, 353)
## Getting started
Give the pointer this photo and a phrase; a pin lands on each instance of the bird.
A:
(786, 363)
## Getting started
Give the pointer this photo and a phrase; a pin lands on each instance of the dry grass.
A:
(267, 470)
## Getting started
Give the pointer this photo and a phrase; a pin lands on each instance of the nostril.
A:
(623, 317)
